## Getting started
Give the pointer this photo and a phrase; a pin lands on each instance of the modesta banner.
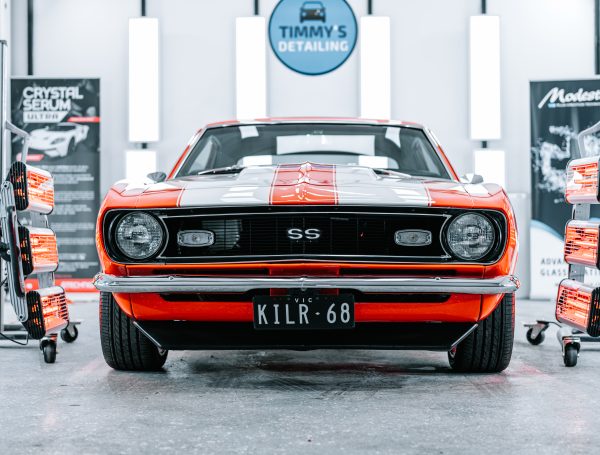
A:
(559, 111)
(63, 118)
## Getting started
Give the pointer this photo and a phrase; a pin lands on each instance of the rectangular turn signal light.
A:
(582, 181)
(39, 251)
(48, 312)
(33, 188)
(578, 305)
(581, 243)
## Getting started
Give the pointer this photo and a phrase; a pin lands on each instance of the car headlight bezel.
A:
(485, 254)
(157, 230)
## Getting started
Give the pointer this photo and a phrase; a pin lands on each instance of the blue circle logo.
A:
(313, 37)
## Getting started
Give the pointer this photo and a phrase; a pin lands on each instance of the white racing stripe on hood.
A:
(252, 186)
(361, 185)
(354, 185)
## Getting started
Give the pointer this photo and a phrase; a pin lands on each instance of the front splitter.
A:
(187, 335)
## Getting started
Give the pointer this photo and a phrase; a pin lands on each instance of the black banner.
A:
(63, 118)
(559, 111)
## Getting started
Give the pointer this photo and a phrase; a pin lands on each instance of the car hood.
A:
(304, 184)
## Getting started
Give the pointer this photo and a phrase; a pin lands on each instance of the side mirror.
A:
(157, 177)
(473, 179)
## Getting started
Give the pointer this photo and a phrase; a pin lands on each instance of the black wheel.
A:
(570, 355)
(124, 347)
(49, 350)
(488, 348)
(69, 334)
(537, 340)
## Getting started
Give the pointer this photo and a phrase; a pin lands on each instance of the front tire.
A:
(488, 348)
(124, 347)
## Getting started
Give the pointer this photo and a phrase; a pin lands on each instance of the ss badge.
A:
(300, 234)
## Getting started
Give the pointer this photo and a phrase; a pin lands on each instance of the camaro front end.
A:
(304, 234)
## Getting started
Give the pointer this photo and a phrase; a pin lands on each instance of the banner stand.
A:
(559, 110)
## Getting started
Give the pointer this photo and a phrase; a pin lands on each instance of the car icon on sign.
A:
(312, 11)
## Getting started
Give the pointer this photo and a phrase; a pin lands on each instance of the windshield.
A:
(396, 148)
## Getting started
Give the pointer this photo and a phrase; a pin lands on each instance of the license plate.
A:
(304, 312)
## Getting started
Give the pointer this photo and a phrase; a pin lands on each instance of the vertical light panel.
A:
(491, 165)
(143, 80)
(484, 74)
(250, 67)
(375, 67)
(139, 163)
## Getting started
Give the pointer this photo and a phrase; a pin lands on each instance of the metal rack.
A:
(10, 252)
(570, 339)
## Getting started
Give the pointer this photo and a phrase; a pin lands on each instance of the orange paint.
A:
(306, 184)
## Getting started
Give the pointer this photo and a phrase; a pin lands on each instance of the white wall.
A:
(198, 67)
(74, 38)
(541, 39)
(430, 69)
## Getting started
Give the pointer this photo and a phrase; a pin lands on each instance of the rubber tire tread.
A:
(124, 347)
(488, 349)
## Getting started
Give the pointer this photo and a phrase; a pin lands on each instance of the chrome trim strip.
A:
(272, 212)
(171, 283)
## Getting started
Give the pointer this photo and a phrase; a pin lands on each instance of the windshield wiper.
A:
(223, 170)
(380, 170)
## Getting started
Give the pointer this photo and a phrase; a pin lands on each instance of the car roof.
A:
(336, 120)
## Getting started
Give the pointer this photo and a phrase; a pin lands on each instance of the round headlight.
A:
(470, 236)
(138, 235)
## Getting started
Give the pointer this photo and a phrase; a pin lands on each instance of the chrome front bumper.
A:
(191, 284)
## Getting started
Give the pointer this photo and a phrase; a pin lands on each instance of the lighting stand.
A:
(570, 339)
(42, 312)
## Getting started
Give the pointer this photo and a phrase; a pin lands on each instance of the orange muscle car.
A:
(305, 233)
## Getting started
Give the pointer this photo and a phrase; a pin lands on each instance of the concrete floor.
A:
(298, 402)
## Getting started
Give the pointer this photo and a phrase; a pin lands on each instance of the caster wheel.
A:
(69, 334)
(49, 350)
(570, 355)
(537, 340)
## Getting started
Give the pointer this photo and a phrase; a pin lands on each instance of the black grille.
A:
(347, 234)
(341, 235)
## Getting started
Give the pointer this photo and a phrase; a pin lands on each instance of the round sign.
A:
(313, 37)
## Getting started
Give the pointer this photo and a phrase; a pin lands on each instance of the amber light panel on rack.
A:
(578, 305)
(582, 181)
(48, 312)
(39, 252)
(33, 188)
(581, 242)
